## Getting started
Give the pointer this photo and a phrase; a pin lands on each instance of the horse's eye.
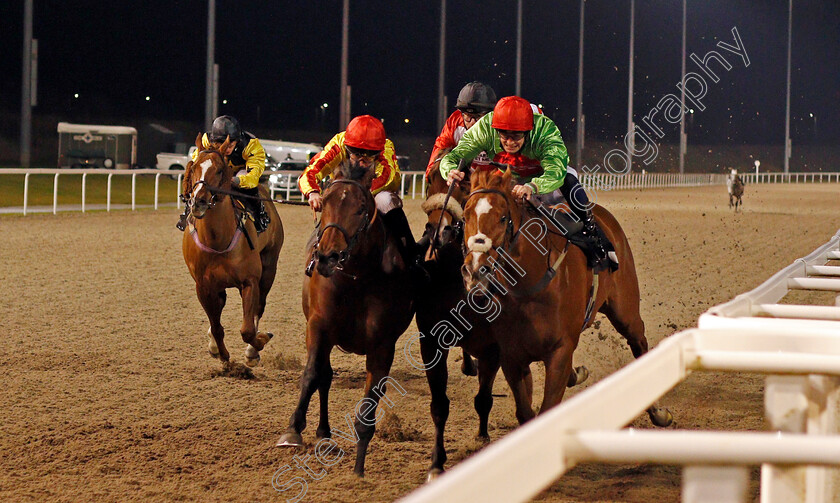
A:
(504, 219)
(360, 211)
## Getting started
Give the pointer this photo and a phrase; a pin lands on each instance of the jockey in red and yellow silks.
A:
(364, 146)
(334, 154)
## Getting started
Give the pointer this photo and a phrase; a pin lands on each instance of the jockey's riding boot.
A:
(182, 221)
(397, 223)
(261, 218)
(601, 247)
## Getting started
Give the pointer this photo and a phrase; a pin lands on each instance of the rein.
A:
(551, 270)
(351, 240)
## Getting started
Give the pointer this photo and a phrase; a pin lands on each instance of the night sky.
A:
(280, 60)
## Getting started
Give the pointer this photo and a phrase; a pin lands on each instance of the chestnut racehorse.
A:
(441, 327)
(217, 255)
(359, 298)
(540, 290)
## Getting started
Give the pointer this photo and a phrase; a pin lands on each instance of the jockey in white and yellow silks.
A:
(246, 154)
(363, 145)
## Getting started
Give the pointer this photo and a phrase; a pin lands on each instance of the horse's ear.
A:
(225, 145)
(507, 177)
(198, 144)
(479, 178)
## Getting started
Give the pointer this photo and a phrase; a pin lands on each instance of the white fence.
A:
(133, 173)
(800, 350)
(413, 184)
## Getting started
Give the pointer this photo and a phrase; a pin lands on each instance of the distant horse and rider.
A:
(735, 187)
(222, 248)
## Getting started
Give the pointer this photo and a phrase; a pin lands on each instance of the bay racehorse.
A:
(359, 298)
(522, 273)
(218, 252)
(444, 319)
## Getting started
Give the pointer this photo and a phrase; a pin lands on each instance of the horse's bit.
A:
(187, 199)
(351, 240)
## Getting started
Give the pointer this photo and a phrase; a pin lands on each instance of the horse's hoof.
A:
(252, 356)
(433, 474)
(270, 335)
(660, 416)
(579, 376)
(290, 440)
(214, 354)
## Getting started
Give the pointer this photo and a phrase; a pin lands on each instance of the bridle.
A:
(352, 240)
(187, 198)
(510, 234)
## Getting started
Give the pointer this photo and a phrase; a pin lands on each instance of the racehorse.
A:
(218, 257)
(736, 190)
(540, 291)
(440, 327)
(359, 298)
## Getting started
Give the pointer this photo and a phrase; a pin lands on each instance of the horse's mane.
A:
(491, 179)
(359, 174)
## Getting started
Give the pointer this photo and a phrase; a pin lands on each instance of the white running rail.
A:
(84, 173)
(801, 357)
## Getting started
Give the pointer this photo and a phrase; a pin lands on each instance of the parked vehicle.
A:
(284, 177)
(91, 146)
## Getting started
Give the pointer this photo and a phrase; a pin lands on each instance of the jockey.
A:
(363, 145)
(474, 101)
(244, 153)
(532, 146)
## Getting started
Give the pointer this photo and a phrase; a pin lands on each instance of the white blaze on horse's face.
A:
(480, 243)
(204, 167)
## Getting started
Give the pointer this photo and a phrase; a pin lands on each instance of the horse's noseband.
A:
(351, 240)
(510, 235)
(190, 202)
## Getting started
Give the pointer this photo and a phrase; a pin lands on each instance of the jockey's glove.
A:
(235, 182)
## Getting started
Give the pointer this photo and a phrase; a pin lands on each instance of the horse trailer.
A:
(87, 146)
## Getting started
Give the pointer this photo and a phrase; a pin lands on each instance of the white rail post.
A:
(157, 186)
(800, 404)
(178, 192)
(55, 194)
(25, 192)
(402, 186)
(84, 182)
(108, 197)
(715, 484)
(133, 189)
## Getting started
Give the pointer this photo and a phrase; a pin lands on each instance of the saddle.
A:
(560, 221)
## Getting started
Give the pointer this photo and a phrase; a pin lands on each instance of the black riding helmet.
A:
(223, 127)
(476, 97)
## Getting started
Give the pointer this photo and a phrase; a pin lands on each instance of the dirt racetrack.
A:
(109, 394)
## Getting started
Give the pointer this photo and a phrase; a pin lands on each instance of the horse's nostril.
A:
(479, 241)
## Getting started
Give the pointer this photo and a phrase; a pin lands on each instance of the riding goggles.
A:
(362, 153)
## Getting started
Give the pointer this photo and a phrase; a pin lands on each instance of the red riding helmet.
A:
(365, 132)
(513, 113)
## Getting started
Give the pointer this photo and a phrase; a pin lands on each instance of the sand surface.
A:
(109, 393)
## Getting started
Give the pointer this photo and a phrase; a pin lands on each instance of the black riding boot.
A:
(580, 205)
(261, 218)
(397, 223)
